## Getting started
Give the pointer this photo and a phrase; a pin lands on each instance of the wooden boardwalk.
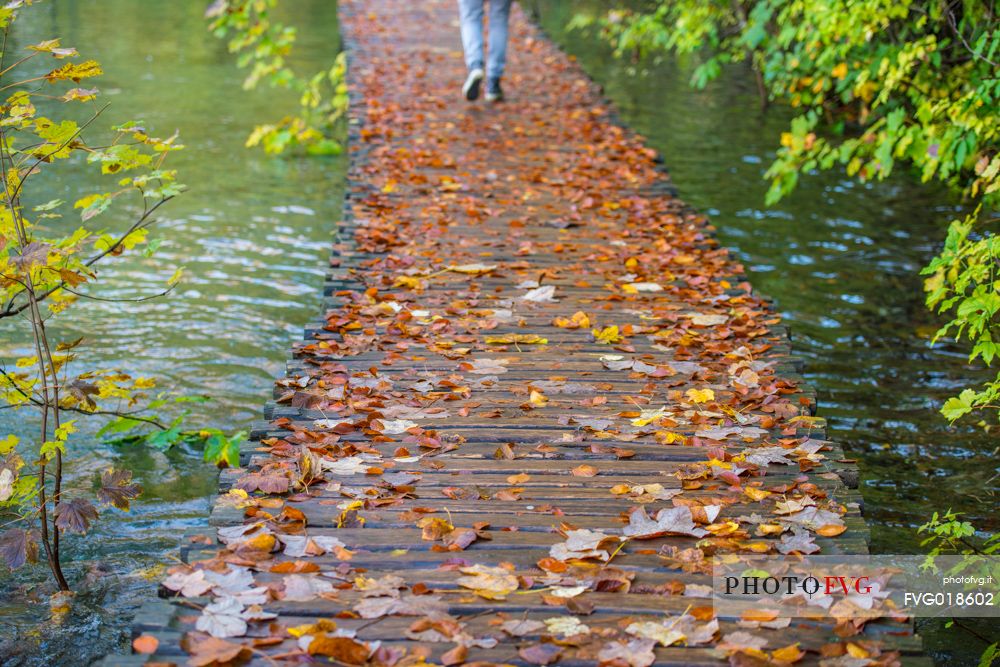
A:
(531, 347)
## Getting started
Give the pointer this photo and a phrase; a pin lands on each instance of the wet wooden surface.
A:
(464, 404)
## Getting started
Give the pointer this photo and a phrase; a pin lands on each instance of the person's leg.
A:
(470, 14)
(497, 57)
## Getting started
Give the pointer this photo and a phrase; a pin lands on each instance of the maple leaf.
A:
(540, 294)
(647, 417)
(18, 546)
(492, 583)
(607, 336)
(397, 426)
(814, 518)
(765, 456)
(537, 399)
(508, 339)
(303, 588)
(664, 633)
(579, 320)
(408, 605)
(207, 650)
(223, 618)
(582, 544)
(485, 366)
(267, 481)
(740, 641)
(708, 320)
(540, 654)
(341, 649)
(522, 627)
(233, 581)
(634, 653)
(788, 655)
(700, 395)
(75, 515)
(350, 465)
(299, 546)
(455, 656)
(674, 520)
(566, 626)
(678, 628)
(75, 71)
(389, 584)
(472, 269)
(188, 584)
(117, 488)
(800, 541)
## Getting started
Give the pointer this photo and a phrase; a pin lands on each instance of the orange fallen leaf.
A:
(145, 644)
(788, 654)
(584, 471)
(830, 530)
(759, 615)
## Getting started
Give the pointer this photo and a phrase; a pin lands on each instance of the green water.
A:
(253, 233)
(841, 260)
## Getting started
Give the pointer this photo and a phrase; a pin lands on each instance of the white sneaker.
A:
(494, 93)
(472, 83)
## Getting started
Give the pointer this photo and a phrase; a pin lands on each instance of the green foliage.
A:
(965, 283)
(947, 534)
(47, 270)
(264, 45)
(220, 448)
(880, 83)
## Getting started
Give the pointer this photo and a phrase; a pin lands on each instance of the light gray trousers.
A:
(470, 14)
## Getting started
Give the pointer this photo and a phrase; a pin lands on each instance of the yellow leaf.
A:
(409, 282)
(669, 437)
(788, 654)
(176, 278)
(528, 339)
(756, 494)
(538, 399)
(607, 335)
(700, 395)
(8, 444)
(840, 71)
(856, 651)
(472, 268)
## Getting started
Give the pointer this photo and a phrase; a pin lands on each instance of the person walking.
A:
(470, 13)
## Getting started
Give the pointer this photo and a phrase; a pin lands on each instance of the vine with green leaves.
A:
(46, 269)
(264, 45)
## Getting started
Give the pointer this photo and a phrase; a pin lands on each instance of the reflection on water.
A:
(253, 234)
(841, 259)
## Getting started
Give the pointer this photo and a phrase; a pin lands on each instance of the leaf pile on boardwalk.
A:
(541, 399)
